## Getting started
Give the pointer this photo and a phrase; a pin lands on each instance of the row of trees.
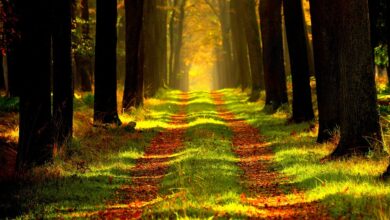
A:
(251, 54)
(344, 35)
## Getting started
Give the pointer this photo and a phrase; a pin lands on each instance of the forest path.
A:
(149, 170)
(264, 185)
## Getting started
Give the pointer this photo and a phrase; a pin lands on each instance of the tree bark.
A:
(374, 6)
(105, 106)
(240, 46)
(151, 75)
(175, 77)
(271, 32)
(134, 15)
(325, 47)
(298, 50)
(14, 69)
(162, 49)
(2, 82)
(227, 59)
(360, 128)
(35, 139)
(62, 72)
(249, 22)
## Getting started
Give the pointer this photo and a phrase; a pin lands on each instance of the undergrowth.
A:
(347, 188)
(85, 176)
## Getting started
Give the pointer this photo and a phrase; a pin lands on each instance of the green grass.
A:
(348, 188)
(83, 178)
(204, 180)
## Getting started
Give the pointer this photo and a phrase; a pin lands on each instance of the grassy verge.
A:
(85, 176)
(203, 181)
(348, 188)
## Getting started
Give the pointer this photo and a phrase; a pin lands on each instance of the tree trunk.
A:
(249, 22)
(227, 59)
(62, 72)
(360, 128)
(134, 15)
(14, 69)
(35, 142)
(298, 50)
(374, 6)
(151, 75)
(177, 48)
(2, 82)
(271, 32)
(172, 43)
(387, 173)
(105, 106)
(325, 46)
(162, 49)
(240, 46)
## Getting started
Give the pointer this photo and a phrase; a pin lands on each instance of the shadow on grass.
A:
(347, 188)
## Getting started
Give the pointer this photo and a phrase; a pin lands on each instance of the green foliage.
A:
(9, 104)
(81, 45)
(381, 56)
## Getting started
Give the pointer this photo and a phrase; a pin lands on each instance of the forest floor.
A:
(197, 155)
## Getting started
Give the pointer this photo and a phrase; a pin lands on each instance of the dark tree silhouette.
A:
(230, 77)
(325, 46)
(360, 128)
(62, 71)
(298, 50)
(240, 46)
(35, 138)
(134, 15)
(151, 71)
(249, 22)
(177, 26)
(105, 106)
(2, 82)
(271, 31)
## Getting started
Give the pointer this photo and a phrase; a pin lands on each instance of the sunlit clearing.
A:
(201, 77)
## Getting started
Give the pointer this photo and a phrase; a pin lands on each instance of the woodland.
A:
(194, 109)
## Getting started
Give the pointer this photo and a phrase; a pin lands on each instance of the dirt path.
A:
(266, 188)
(149, 170)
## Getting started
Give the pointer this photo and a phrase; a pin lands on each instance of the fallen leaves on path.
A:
(266, 187)
(148, 172)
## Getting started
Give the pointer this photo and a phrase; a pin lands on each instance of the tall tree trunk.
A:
(2, 82)
(387, 172)
(162, 49)
(177, 48)
(374, 6)
(62, 72)
(240, 46)
(249, 22)
(35, 142)
(105, 106)
(13, 52)
(325, 46)
(360, 128)
(134, 15)
(227, 59)
(271, 32)
(298, 50)
(14, 69)
(151, 74)
(172, 42)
